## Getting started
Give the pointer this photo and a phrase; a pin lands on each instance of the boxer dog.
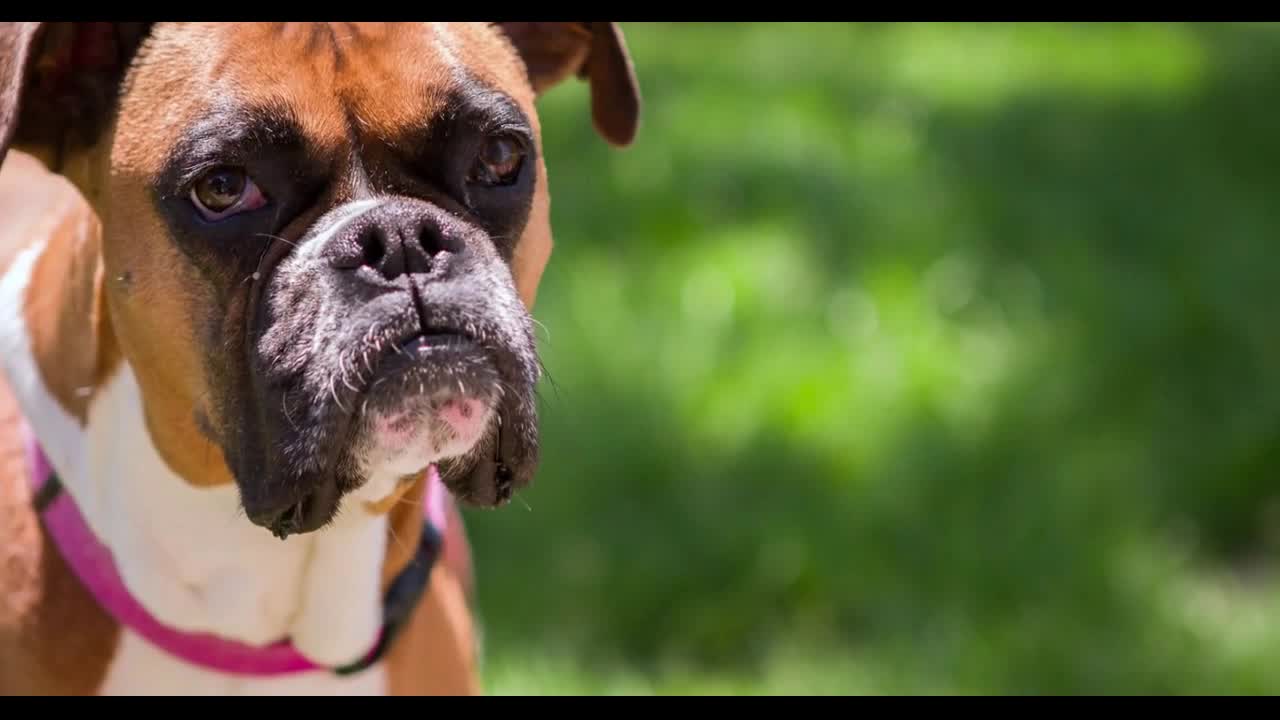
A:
(264, 327)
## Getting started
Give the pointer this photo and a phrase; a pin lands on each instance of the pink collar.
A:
(92, 563)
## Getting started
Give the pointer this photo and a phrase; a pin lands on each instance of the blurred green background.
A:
(907, 359)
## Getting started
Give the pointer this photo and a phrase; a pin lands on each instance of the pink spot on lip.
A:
(394, 429)
(463, 414)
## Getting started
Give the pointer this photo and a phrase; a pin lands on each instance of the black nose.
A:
(394, 239)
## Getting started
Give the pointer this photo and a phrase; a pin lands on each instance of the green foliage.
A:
(907, 358)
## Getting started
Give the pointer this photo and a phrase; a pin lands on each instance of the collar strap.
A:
(93, 565)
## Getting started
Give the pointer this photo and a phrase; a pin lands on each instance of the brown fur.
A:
(68, 278)
(112, 283)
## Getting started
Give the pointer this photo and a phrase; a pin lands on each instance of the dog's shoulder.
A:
(54, 640)
(53, 637)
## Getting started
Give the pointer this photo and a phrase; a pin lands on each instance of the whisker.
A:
(546, 373)
(349, 386)
(545, 329)
(284, 403)
(396, 538)
(276, 237)
(333, 390)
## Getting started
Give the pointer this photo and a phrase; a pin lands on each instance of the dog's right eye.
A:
(225, 191)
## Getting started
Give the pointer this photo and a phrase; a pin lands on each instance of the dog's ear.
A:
(59, 82)
(593, 51)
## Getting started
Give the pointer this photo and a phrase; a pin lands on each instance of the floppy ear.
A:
(593, 51)
(59, 82)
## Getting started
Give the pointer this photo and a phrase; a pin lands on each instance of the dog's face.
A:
(320, 241)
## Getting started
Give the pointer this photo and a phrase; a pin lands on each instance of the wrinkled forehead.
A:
(338, 81)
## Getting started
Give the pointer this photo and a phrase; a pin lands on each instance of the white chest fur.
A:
(197, 564)
(188, 554)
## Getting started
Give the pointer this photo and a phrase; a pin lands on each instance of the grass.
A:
(907, 359)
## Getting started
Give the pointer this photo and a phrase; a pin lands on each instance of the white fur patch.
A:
(448, 45)
(337, 219)
(337, 624)
(197, 563)
(189, 554)
(56, 427)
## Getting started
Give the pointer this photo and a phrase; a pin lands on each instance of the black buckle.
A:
(47, 493)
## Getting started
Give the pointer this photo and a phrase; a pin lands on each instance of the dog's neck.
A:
(187, 553)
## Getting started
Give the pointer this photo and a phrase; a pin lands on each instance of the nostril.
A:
(433, 241)
(375, 248)
(426, 238)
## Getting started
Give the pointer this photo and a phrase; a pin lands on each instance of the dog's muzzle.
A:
(389, 339)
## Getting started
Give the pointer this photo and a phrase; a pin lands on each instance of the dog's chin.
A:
(428, 399)
(434, 398)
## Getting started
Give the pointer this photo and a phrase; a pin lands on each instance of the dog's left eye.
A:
(499, 162)
(225, 191)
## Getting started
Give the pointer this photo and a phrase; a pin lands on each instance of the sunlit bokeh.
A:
(923, 358)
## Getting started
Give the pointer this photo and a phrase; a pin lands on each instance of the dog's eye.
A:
(499, 162)
(225, 191)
